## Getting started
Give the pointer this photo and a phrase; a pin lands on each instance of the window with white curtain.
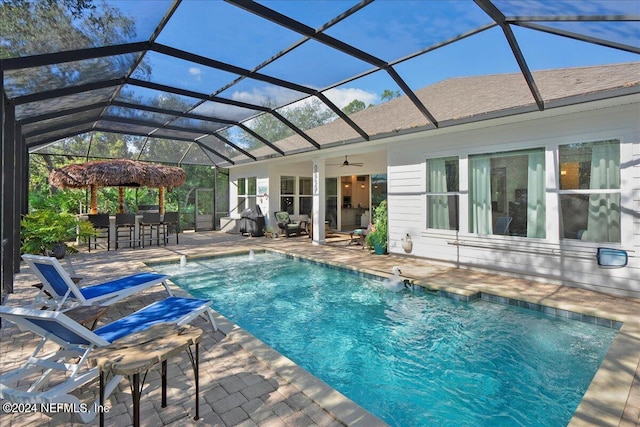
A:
(507, 193)
(442, 193)
(590, 191)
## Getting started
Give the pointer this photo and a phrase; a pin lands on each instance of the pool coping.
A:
(602, 404)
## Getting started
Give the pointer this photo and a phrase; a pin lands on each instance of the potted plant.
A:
(46, 232)
(270, 232)
(378, 230)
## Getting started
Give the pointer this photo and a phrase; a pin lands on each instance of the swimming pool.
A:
(410, 358)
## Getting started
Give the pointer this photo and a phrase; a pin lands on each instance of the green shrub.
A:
(379, 228)
(42, 229)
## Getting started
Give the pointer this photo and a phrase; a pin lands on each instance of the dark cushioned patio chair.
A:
(286, 225)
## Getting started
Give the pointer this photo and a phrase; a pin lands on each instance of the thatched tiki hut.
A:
(118, 173)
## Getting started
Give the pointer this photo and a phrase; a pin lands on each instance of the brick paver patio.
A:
(245, 383)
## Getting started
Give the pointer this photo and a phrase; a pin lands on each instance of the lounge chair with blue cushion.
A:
(67, 367)
(66, 294)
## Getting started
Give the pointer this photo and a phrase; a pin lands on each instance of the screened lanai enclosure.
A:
(218, 84)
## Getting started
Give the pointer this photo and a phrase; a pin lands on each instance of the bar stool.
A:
(171, 221)
(151, 221)
(126, 227)
(102, 226)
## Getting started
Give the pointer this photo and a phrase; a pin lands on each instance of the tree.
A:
(388, 95)
(267, 126)
(309, 115)
(353, 107)
(306, 114)
(30, 27)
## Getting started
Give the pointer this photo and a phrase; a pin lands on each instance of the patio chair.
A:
(72, 274)
(126, 229)
(305, 224)
(286, 225)
(76, 343)
(57, 283)
(151, 221)
(102, 225)
(502, 225)
(171, 222)
(358, 237)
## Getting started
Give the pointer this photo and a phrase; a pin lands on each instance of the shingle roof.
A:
(464, 99)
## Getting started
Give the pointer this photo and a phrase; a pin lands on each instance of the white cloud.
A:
(266, 96)
(229, 112)
(343, 97)
(270, 95)
(279, 96)
(195, 72)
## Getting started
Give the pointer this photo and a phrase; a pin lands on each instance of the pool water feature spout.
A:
(183, 261)
(394, 283)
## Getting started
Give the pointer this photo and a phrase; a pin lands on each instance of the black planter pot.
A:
(59, 250)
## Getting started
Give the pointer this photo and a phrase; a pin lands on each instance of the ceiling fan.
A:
(347, 163)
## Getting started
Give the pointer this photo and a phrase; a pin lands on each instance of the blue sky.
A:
(388, 29)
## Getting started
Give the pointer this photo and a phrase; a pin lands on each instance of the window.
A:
(298, 201)
(331, 200)
(590, 191)
(251, 192)
(305, 190)
(242, 194)
(442, 193)
(507, 193)
(246, 193)
(378, 189)
(287, 193)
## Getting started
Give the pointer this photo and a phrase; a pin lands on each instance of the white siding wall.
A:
(406, 186)
(636, 206)
(569, 262)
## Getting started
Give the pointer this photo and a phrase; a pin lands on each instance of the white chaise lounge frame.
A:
(76, 344)
(64, 294)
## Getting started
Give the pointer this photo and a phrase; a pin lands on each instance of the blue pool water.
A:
(410, 358)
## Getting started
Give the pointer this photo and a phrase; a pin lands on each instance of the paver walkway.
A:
(244, 383)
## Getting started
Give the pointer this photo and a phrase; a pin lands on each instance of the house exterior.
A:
(498, 185)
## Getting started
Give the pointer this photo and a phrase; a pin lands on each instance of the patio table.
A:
(138, 353)
(87, 315)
